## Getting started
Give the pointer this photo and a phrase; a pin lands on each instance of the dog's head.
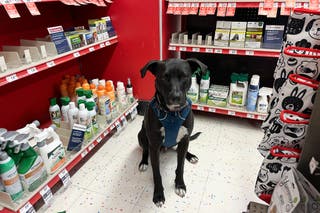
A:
(173, 79)
(313, 27)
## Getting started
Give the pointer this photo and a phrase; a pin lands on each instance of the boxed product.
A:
(58, 37)
(222, 33)
(96, 27)
(218, 95)
(254, 34)
(238, 33)
(74, 40)
(273, 36)
(109, 27)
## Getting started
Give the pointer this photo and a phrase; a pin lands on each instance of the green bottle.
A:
(9, 176)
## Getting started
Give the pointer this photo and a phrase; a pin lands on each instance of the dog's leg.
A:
(158, 195)
(181, 153)
(192, 158)
(143, 141)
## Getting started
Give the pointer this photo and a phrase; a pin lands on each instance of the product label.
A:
(11, 10)
(11, 182)
(76, 138)
(65, 177)
(46, 194)
(35, 176)
(59, 39)
(56, 158)
(28, 208)
(55, 117)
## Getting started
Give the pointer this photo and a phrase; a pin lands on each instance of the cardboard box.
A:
(222, 33)
(254, 34)
(273, 36)
(238, 34)
(59, 39)
(96, 27)
(74, 40)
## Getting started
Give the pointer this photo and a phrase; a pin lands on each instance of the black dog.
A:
(169, 110)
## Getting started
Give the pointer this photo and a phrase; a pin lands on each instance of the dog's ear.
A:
(195, 63)
(153, 66)
(309, 25)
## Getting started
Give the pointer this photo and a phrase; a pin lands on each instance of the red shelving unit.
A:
(224, 50)
(237, 112)
(33, 68)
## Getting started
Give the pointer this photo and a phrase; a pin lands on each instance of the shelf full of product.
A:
(233, 38)
(75, 133)
(34, 56)
(240, 99)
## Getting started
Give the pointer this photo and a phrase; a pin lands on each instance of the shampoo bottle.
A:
(65, 108)
(193, 92)
(54, 111)
(73, 114)
(9, 176)
(204, 87)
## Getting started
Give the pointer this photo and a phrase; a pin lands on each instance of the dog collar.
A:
(170, 120)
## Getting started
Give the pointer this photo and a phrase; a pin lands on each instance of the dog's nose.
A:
(175, 97)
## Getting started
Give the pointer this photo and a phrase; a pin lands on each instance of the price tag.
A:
(107, 43)
(76, 54)
(249, 52)
(231, 9)
(123, 120)
(46, 194)
(99, 139)
(250, 116)
(195, 49)
(231, 113)
(102, 45)
(112, 127)
(65, 177)
(32, 7)
(11, 10)
(260, 117)
(91, 49)
(91, 146)
(172, 48)
(314, 4)
(32, 70)
(298, 5)
(233, 52)
(183, 49)
(200, 108)
(50, 64)
(209, 50)
(12, 77)
(105, 133)
(222, 8)
(219, 51)
(84, 153)
(285, 11)
(212, 109)
(28, 208)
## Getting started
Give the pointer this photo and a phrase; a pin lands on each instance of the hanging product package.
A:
(277, 162)
(295, 194)
(297, 94)
(288, 130)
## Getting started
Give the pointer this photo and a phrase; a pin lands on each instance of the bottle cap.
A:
(88, 94)
(86, 86)
(90, 105)
(100, 93)
(82, 106)
(80, 92)
(120, 85)
(102, 82)
(65, 101)
(53, 101)
(95, 82)
(21, 137)
(41, 143)
(36, 123)
(3, 156)
(129, 83)
(24, 146)
(81, 102)
(255, 80)
(2, 131)
(206, 76)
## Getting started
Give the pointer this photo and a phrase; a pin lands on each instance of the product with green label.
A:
(65, 108)
(9, 176)
(204, 87)
(238, 89)
(218, 95)
(92, 116)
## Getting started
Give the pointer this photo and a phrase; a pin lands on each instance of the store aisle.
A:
(222, 181)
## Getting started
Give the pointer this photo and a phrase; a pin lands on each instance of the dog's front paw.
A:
(158, 198)
(194, 160)
(143, 167)
(181, 190)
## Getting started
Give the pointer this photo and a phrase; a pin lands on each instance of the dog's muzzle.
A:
(176, 107)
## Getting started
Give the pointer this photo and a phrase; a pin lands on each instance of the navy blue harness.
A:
(171, 121)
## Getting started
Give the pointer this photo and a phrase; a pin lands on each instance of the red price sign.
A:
(222, 9)
(231, 9)
(11, 10)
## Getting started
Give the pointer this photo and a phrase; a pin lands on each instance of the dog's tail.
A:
(195, 136)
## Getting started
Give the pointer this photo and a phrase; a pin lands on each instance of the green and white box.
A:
(238, 33)
(218, 95)
(222, 33)
(254, 34)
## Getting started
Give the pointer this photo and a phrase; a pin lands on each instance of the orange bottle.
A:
(86, 86)
(110, 91)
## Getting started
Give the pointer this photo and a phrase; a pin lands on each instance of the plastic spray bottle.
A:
(13, 148)
(31, 168)
(9, 176)
(65, 108)
(263, 103)
(253, 93)
(54, 111)
(51, 149)
(6, 138)
(204, 87)
(73, 114)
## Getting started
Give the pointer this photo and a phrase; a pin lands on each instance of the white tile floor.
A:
(222, 181)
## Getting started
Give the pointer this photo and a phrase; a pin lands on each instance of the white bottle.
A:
(92, 116)
(129, 89)
(73, 114)
(204, 87)
(193, 92)
(65, 108)
(83, 115)
(121, 93)
(54, 111)
(102, 82)
(263, 103)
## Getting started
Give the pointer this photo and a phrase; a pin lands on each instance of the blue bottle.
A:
(253, 92)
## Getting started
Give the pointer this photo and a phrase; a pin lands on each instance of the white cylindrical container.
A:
(54, 111)
(73, 114)
(129, 90)
(65, 108)
(102, 82)
(83, 115)
(121, 93)
(193, 92)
